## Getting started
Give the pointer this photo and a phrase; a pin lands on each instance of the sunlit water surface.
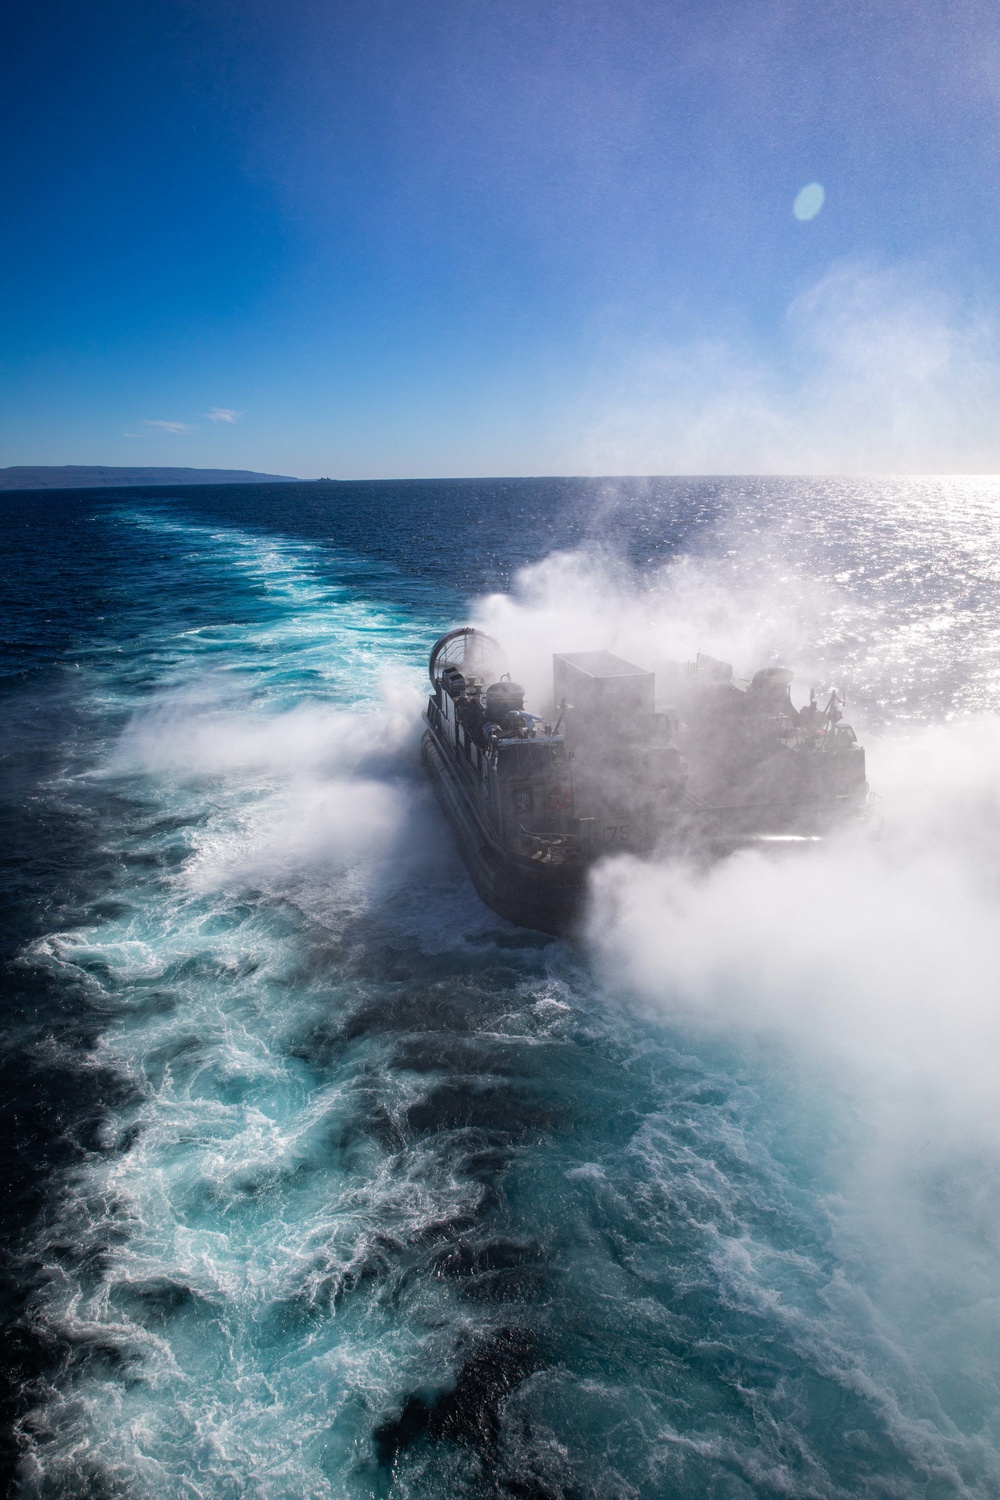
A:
(326, 1182)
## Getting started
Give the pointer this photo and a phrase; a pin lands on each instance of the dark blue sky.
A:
(384, 238)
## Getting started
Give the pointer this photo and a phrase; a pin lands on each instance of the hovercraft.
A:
(683, 759)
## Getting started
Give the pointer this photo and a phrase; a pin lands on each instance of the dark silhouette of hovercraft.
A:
(535, 801)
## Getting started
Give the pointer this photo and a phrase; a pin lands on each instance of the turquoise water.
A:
(331, 1183)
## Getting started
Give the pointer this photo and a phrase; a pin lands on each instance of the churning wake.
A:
(392, 1199)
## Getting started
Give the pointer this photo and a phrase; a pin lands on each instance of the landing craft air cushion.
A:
(534, 802)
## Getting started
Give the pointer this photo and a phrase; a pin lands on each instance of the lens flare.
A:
(808, 201)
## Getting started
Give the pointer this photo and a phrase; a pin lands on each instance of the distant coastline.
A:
(93, 476)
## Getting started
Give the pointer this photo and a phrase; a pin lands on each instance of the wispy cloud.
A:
(878, 370)
(168, 426)
(224, 414)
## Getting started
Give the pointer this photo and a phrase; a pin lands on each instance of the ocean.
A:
(320, 1180)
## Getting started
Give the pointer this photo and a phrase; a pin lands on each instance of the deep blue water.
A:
(322, 1181)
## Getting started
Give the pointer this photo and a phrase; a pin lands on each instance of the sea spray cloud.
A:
(205, 729)
(863, 977)
(590, 600)
(856, 981)
(876, 955)
(879, 966)
(324, 787)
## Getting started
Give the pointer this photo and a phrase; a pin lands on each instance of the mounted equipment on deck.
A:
(680, 759)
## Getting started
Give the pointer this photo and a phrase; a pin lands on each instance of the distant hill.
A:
(89, 476)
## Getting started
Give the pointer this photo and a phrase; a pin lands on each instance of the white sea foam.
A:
(227, 1200)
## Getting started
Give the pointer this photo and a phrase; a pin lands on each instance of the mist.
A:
(873, 368)
(855, 981)
(873, 958)
(326, 795)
